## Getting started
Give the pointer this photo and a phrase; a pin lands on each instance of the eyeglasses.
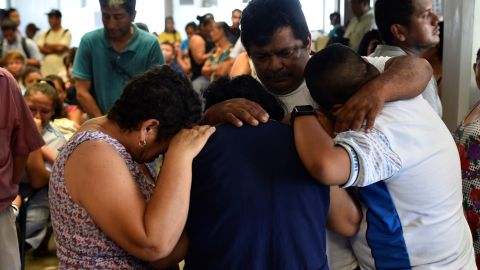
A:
(285, 54)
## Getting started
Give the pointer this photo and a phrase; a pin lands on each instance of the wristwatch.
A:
(301, 111)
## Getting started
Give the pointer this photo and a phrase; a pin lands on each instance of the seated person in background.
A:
(369, 42)
(169, 54)
(72, 116)
(30, 76)
(406, 169)
(14, 41)
(253, 205)
(467, 137)
(218, 63)
(15, 64)
(140, 219)
(43, 101)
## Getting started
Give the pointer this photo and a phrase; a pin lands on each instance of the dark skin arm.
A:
(404, 77)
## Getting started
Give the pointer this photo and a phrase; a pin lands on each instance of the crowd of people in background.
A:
(368, 178)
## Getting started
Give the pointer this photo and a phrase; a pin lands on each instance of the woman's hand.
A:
(38, 124)
(191, 141)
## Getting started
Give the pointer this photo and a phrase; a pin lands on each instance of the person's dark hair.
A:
(335, 73)
(169, 18)
(47, 88)
(33, 27)
(478, 55)
(159, 93)
(192, 25)
(128, 5)
(370, 36)
(10, 11)
(224, 27)
(8, 24)
(236, 10)
(53, 78)
(27, 71)
(243, 86)
(142, 26)
(262, 18)
(203, 20)
(335, 16)
(390, 12)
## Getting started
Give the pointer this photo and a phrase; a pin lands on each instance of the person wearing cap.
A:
(108, 57)
(54, 44)
(199, 48)
(12, 40)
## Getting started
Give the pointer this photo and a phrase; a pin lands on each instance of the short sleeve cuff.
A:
(354, 165)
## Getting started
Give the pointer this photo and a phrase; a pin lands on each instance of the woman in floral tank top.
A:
(467, 137)
(108, 210)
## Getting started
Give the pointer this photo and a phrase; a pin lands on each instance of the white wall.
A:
(82, 16)
(462, 20)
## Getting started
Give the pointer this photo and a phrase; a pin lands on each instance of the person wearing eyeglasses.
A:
(108, 57)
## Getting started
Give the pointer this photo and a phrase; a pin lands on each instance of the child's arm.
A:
(344, 215)
(327, 163)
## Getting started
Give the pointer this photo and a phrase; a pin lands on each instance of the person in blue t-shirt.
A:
(253, 205)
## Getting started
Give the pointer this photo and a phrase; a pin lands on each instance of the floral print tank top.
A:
(80, 242)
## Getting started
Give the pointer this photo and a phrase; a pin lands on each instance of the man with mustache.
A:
(110, 56)
(409, 28)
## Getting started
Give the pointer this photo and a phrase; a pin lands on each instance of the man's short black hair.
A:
(160, 93)
(8, 24)
(247, 87)
(336, 73)
(390, 12)
(262, 18)
(128, 5)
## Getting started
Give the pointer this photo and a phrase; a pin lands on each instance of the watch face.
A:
(304, 108)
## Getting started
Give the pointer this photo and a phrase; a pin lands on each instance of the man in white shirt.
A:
(361, 23)
(54, 43)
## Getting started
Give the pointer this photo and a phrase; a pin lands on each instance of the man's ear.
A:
(399, 32)
(309, 42)
(132, 16)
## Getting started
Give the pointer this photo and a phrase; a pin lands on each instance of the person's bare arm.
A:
(86, 99)
(327, 163)
(183, 62)
(344, 214)
(38, 175)
(33, 62)
(196, 45)
(19, 163)
(404, 77)
(148, 231)
(178, 254)
(223, 69)
(240, 66)
(53, 48)
(207, 69)
(235, 111)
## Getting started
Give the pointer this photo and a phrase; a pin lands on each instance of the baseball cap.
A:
(54, 12)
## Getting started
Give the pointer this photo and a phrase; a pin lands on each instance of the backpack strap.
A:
(25, 48)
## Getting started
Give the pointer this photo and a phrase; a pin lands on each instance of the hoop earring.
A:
(143, 143)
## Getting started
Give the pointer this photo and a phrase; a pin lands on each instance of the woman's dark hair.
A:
(370, 36)
(27, 71)
(478, 55)
(203, 20)
(262, 18)
(162, 94)
(247, 87)
(225, 28)
(53, 78)
(390, 12)
(169, 18)
(192, 25)
(47, 88)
